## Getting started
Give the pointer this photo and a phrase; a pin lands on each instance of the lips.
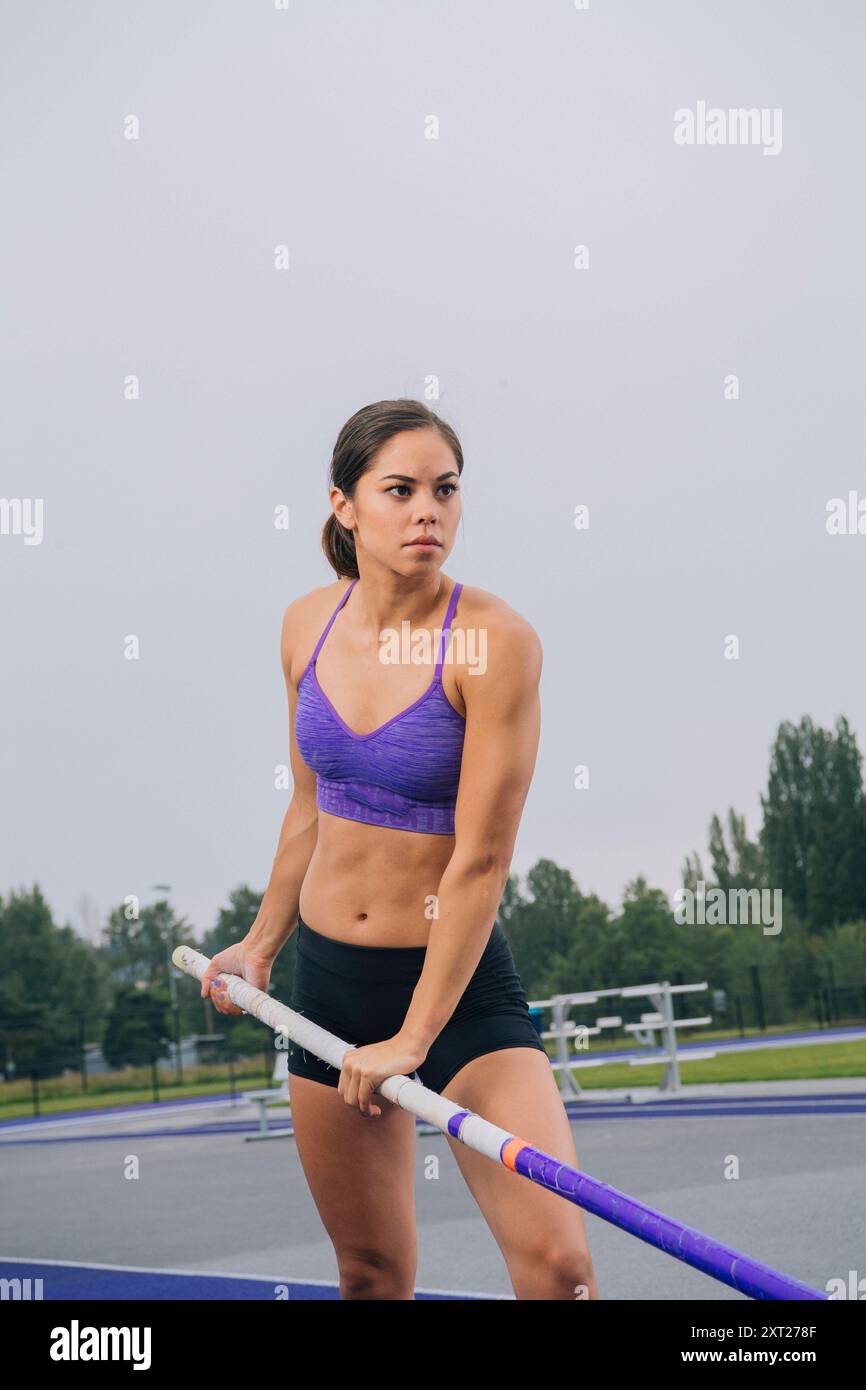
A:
(431, 543)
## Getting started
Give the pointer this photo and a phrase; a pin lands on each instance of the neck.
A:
(387, 600)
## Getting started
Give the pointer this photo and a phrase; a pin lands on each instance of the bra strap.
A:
(446, 630)
(331, 619)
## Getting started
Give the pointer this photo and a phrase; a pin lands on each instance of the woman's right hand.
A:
(241, 960)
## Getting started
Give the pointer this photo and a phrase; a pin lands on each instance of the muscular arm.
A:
(503, 724)
(278, 915)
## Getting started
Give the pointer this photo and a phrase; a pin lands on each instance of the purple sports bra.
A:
(403, 775)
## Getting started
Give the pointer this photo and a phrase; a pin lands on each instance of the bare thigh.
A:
(361, 1173)
(541, 1235)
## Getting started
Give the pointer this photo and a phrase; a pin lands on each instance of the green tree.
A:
(137, 1032)
(137, 943)
(53, 987)
(849, 829)
(541, 926)
(814, 831)
(737, 861)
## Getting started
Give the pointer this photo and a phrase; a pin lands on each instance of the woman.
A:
(408, 790)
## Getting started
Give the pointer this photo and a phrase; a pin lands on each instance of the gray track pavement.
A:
(212, 1202)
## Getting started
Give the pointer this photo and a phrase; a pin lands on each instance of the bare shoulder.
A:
(512, 645)
(303, 621)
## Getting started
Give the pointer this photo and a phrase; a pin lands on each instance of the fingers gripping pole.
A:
(749, 1277)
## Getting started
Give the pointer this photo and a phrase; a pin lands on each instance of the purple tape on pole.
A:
(749, 1277)
(456, 1121)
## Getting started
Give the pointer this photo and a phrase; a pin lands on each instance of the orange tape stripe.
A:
(511, 1150)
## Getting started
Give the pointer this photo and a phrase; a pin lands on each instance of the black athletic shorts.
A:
(362, 994)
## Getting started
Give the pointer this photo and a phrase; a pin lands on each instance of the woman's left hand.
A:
(364, 1068)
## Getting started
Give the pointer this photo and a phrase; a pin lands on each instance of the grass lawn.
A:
(766, 1064)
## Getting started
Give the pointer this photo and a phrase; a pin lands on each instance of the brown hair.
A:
(357, 444)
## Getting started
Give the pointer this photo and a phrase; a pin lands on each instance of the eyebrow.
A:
(404, 478)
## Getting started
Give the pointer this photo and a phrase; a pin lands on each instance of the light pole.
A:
(172, 985)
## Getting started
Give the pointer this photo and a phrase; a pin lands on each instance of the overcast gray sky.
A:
(414, 260)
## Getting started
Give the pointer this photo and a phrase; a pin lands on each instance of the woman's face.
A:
(410, 490)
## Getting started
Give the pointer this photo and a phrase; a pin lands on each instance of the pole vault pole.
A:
(750, 1277)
